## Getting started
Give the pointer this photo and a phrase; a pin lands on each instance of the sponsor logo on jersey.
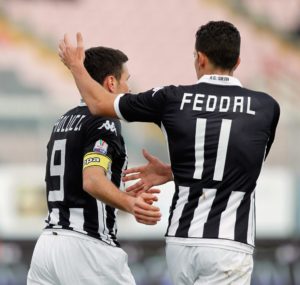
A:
(110, 126)
(96, 159)
(100, 146)
(219, 78)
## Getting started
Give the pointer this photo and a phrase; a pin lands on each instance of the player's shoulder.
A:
(102, 119)
(180, 89)
(90, 121)
(172, 89)
(260, 95)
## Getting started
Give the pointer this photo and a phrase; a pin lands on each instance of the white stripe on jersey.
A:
(222, 149)
(121, 185)
(102, 216)
(228, 217)
(184, 193)
(201, 212)
(76, 219)
(251, 221)
(199, 147)
(116, 107)
(54, 216)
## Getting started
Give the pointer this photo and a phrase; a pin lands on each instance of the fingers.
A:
(144, 211)
(147, 218)
(148, 199)
(153, 191)
(66, 40)
(79, 39)
(135, 187)
(143, 205)
(61, 49)
(134, 170)
(130, 177)
(145, 221)
(148, 156)
(80, 46)
(62, 46)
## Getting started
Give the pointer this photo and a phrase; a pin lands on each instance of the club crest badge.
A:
(101, 147)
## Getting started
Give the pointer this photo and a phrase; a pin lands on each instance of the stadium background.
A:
(158, 37)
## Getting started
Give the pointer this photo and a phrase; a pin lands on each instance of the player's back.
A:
(79, 138)
(219, 130)
(218, 134)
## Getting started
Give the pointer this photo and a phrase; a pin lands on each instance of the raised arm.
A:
(98, 99)
(152, 174)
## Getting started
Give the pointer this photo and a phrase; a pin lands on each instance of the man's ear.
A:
(109, 83)
(237, 63)
(202, 59)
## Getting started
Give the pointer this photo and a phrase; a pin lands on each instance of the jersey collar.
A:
(82, 103)
(220, 80)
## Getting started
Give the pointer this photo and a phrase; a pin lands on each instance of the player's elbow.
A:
(92, 180)
(89, 184)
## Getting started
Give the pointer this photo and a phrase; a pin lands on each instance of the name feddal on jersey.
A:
(212, 103)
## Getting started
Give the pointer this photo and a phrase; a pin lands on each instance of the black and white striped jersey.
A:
(218, 134)
(78, 140)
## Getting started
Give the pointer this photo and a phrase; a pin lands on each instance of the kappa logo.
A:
(110, 126)
(155, 90)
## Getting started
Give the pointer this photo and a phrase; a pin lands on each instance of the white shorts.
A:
(69, 258)
(195, 265)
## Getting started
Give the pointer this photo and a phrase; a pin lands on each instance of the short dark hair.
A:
(220, 41)
(103, 61)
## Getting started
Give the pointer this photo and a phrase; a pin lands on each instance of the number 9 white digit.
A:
(58, 170)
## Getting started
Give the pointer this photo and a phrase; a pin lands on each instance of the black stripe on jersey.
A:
(110, 222)
(64, 217)
(212, 225)
(174, 201)
(91, 224)
(242, 218)
(212, 135)
(188, 211)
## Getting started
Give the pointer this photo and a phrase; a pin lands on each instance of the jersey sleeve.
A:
(143, 107)
(273, 128)
(102, 143)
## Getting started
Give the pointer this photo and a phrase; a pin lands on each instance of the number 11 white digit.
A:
(221, 152)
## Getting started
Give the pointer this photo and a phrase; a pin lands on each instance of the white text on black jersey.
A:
(68, 123)
(213, 103)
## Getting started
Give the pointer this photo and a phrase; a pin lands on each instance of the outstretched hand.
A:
(154, 173)
(72, 56)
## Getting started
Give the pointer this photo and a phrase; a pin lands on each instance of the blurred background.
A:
(158, 37)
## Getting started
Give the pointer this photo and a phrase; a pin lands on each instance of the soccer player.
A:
(218, 134)
(85, 159)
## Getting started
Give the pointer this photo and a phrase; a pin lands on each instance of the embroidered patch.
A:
(100, 146)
